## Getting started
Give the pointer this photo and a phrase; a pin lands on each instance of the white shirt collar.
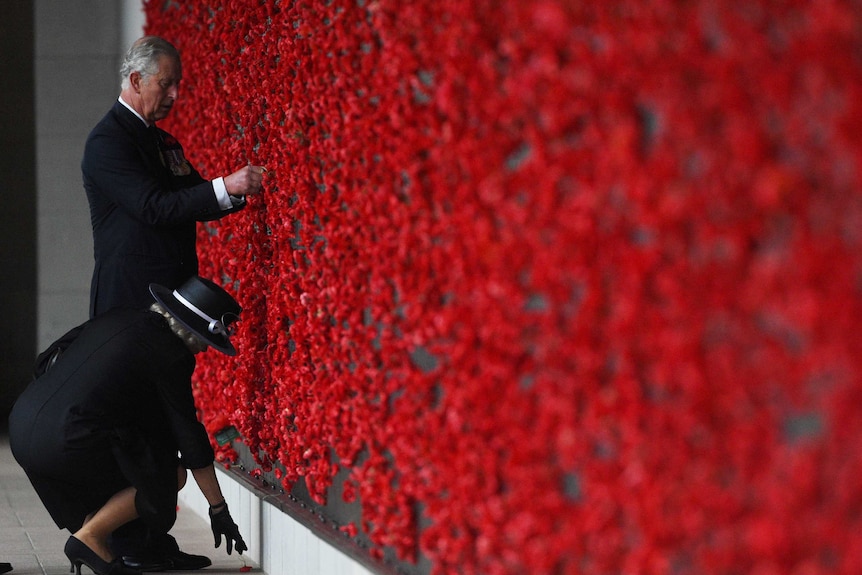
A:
(132, 110)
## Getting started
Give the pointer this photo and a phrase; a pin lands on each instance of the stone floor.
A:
(33, 544)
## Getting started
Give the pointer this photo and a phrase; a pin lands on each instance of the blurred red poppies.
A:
(568, 287)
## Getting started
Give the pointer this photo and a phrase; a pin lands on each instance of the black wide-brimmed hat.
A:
(204, 308)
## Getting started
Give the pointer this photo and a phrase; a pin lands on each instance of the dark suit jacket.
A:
(145, 199)
(111, 412)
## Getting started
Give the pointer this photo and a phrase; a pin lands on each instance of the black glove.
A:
(222, 524)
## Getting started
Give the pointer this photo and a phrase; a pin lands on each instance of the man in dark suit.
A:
(145, 199)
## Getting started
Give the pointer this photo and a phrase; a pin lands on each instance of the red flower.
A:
(572, 286)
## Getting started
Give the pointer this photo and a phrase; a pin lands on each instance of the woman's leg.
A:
(119, 510)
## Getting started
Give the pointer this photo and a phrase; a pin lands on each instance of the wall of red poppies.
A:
(568, 287)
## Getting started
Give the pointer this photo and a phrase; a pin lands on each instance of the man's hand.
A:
(246, 181)
(222, 524)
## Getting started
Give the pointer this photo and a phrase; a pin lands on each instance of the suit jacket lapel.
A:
(145, 138)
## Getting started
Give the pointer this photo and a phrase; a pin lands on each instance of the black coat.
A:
(145, 199)
(111, 412)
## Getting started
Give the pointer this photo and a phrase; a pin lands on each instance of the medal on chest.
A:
(172, 156)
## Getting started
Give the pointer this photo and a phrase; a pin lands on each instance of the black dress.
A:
(113, 411)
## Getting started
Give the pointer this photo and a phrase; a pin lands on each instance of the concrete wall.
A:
(277, 543)
(77, 53)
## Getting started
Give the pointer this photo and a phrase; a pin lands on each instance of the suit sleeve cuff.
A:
(225, 200)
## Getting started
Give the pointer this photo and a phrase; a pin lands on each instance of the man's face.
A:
(159, 92)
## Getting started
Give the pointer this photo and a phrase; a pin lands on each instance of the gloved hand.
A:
(222, 524)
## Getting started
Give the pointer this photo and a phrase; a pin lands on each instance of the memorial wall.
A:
(542, 286)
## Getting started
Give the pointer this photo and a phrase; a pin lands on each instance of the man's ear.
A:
(136, 80)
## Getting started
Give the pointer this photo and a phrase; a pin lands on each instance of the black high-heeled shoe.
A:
(79, 554)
